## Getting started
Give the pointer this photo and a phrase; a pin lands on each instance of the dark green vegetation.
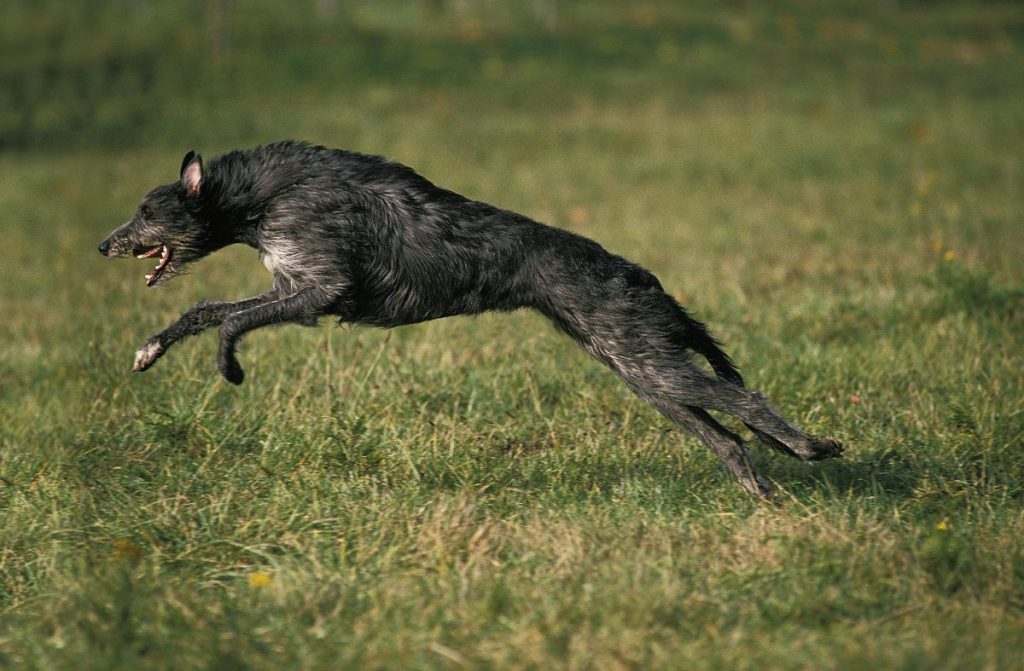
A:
(837, 193)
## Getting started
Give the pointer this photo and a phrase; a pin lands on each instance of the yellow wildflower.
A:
(260, 579)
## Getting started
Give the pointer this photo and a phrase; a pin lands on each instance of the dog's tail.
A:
(694, 335)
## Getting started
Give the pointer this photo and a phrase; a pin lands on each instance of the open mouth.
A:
(164, 252)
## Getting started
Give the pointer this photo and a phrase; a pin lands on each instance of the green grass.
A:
(837, 192)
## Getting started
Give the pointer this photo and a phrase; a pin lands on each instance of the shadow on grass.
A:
(876, 477)
(667, 478)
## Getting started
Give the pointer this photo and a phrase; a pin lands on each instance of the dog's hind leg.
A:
(660, 379)
(753, 408)
(636, 333)
(685, 384)
(724, 443)
(670, 385)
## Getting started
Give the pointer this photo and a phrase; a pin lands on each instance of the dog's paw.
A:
(825, 448)
(147, 355)
(231, 371)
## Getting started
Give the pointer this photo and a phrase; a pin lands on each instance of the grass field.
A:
(836, 191)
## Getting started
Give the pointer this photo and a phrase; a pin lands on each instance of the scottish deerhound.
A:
(373, 242)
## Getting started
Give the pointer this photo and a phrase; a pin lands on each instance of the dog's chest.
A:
(278, 260)
(270, 260)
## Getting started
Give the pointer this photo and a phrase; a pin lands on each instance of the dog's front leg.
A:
(193, 322)
(303, 306)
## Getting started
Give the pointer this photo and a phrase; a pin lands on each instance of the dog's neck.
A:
(239, 195)
(236, 208)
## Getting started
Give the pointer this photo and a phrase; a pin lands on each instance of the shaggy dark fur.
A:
(375, 243)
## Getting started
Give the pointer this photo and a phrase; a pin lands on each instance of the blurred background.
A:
(122, 73)
(580, 113)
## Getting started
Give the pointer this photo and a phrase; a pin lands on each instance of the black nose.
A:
(104, 247)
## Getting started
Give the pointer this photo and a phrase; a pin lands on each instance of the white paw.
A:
(147, 356)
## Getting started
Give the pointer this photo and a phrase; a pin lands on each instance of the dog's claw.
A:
(147, 356)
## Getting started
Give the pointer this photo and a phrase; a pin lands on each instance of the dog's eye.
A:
(145, 211)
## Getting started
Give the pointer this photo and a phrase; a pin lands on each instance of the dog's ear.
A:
(192, 173)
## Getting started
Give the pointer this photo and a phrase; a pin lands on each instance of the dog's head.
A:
(171, 224)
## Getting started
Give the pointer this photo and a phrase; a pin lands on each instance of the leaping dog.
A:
(373, 242)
